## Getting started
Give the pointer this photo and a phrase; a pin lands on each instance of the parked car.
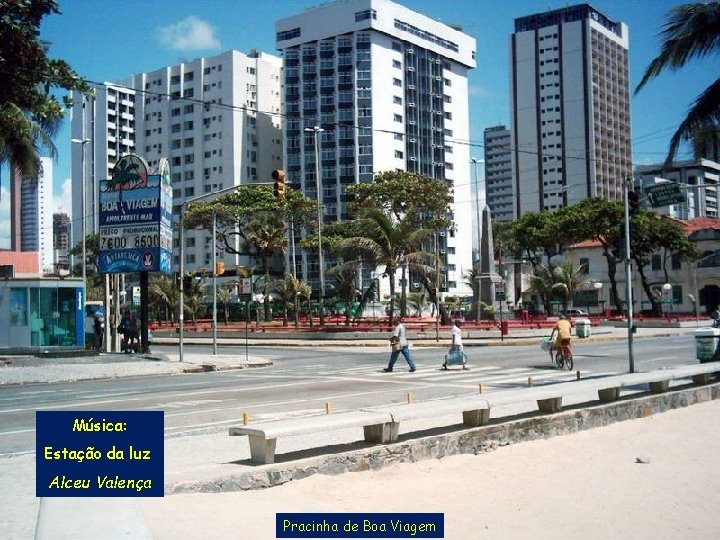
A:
(575, 313)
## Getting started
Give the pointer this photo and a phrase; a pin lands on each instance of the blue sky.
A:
(107, 40)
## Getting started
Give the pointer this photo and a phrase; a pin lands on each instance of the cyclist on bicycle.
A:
(564, 332)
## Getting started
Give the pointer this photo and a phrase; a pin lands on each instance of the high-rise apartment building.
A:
(216, 120)
(61, 240)
(570, 108)
(499, 189)
(389, 88)
(31, 201)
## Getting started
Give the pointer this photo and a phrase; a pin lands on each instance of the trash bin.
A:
(582, 328)
(706, 343)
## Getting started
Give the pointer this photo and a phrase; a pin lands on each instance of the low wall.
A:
(467, 441)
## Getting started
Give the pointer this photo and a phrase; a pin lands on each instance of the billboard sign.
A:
(135, 219)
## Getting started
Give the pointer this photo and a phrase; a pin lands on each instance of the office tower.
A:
(216, 119)
(31, 200)
(61, 240)
(389, 88)
(570, 108)
(699, 181)
(499, 189)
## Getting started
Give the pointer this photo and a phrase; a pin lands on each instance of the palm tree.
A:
(162, 289)
(264, 236)
(194, 299)
(389, 243)
(561, 279)
(22, 138)
(287, 289)
(346, 276)
(569, 280)
(692, 30)
(418, 301)
(224, 295)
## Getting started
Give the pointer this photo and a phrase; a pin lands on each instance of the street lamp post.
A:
(82, 142)
(667, 288)
(478, 309)
(598, 287)
(214, 282)
(628, 271)
(316, 131)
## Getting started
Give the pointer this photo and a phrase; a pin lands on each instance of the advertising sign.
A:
(135, 219)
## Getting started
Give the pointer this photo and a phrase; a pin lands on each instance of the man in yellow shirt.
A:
(564, 332)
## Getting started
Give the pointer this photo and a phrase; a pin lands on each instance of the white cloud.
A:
(191, 33)
(62, 201)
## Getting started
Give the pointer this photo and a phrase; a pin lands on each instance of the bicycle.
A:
(563, 356)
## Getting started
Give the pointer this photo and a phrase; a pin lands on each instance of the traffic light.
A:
(219, 268)
(633, 202)
(279, 187)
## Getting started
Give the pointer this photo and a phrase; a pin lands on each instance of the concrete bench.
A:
(263, 436)
(474, 411)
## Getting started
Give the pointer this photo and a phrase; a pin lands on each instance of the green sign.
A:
(664, 194)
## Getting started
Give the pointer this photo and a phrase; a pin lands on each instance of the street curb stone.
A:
(467, 441)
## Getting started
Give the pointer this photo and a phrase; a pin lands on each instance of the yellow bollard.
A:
(246, 419)
(530, 381)
(409, 397)
(480, 388)
(328, 408)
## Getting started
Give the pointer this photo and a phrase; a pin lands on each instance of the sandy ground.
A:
(651, 478)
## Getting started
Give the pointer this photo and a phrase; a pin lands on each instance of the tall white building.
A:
(499, 189)
(570, 101)
(36, 223)
(389, 88)
(216, 119)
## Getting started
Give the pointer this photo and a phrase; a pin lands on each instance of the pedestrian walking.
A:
(124, 330)
(399, 344)
(99, 329)
(456, 354)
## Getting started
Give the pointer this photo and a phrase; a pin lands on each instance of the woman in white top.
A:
(457, 335)
(457, 347)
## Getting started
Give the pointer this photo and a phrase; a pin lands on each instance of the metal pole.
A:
(106, 336)
(181, 307)
(320, 224)
(478, 308)
(292, 245)
(628, 284)
(437, 291)
(144, 318)
(214, 263)
(697, 297)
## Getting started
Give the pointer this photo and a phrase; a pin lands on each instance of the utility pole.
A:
(628, 270)
(317, 130)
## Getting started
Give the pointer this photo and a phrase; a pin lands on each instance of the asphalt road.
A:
(303, 379)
